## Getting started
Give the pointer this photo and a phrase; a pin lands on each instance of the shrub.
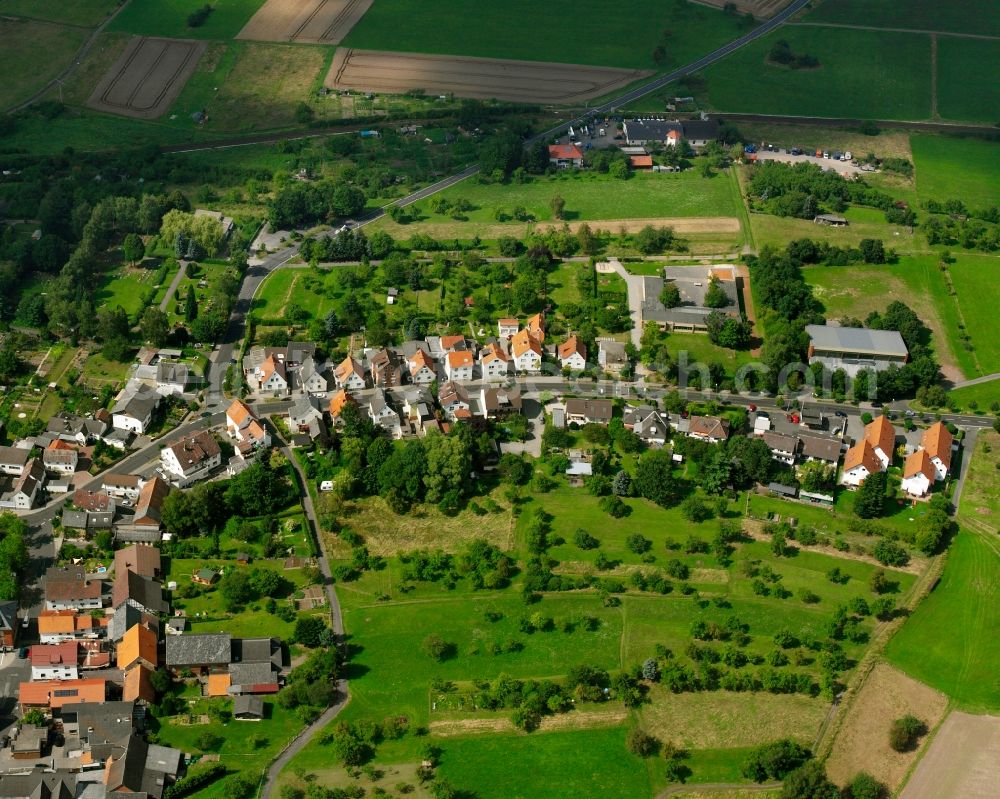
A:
(905, 732)
(585, 540)
(641, 743)
(194, 782)
(638, 544)
(613, 506)
(437, 648)
(198, 17)
(865, 786)
(774, 760)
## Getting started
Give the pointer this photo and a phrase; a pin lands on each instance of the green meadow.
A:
(588, 32)
(968, 16)
(169, 18)
(951, 168)
(862, 73)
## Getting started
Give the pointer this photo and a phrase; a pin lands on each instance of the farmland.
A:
(886, 74)
(544, 32)
(960, 93)
(976, 16)
(464, 76)
(85, 13)
(34, 52)
(318, 21)
(950, 640)
(169, 18)
(966, 169)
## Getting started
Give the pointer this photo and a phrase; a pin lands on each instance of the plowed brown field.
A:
(312, 21)
(147, 77)
(483, 78)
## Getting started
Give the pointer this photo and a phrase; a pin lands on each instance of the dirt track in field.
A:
(312, 21)
(684, 224)
(963, 760)
(862, 743)
(482, 78)
(147, 77)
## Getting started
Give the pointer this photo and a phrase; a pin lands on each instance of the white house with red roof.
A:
(494, 362)
(573, 354)
(526, 352)
(459, 365)
(565, 155)
(271, 375)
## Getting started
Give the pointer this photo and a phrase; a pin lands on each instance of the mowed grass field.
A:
(965, 169)
(967, 16)
(169, 18)
(968, 79)
(33, 53)
(873, 74)
(85, 13)
(593, 196)
(588, 32)
(951, 641)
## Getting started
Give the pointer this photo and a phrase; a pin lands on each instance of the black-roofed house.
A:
(248, 708)
(201, 652)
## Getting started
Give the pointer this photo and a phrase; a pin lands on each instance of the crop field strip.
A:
(484, 78)
(147, 77)
(312, 22)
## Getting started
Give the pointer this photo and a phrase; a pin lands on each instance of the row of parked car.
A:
(835, 155)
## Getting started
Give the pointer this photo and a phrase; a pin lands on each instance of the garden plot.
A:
(147, 77)
(484, 78)
(315, 21)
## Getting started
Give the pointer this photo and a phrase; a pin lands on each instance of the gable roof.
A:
(565, 152)
(68, 589)
(862, 454)
(459, 358)
(451, 393)
(346, 368)
(198, 649)
(937, 441)
(94, 501)
(536, 326)
(145, 591)
(147, 507)
(66, 653)
(247, 705)
(57, 693)
(919, 462)
(14, 456)
(598, 409)
(420, 360)
(140, 558)
(824, 449)
(239, 413)
(139, 642)
(881, 434)
(452, 342)
(493, 352)
(125, 618)
(271, 366)
(522, 341)
(338, 401)
(138, 685)
(572, 346)
(195, 449)
(709, 426)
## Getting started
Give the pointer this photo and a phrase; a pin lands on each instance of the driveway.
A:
(532, 409)
(635, 294)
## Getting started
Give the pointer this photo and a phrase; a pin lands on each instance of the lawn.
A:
(917, 281)
(965, 169)
(700, 350)
(875, 74)
(980, 498)
(593, 196)
(556, 765)
(974, 279)
(169, 18)
(84, 13)
(982, 394)
(962, 91)
(33, 53)
(546, 32)
(950, 642)
(99, 370)
(969, 16)
(240, 751)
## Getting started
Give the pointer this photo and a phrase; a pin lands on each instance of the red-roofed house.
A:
(55, 694)
(459, 364)
(565, 155)
(573, 355)
(937, 442)
(55, 661)
(271, 375)
(919, 474)
(526, 351)
(641, 161)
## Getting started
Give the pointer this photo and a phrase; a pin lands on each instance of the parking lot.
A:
(845, 168)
